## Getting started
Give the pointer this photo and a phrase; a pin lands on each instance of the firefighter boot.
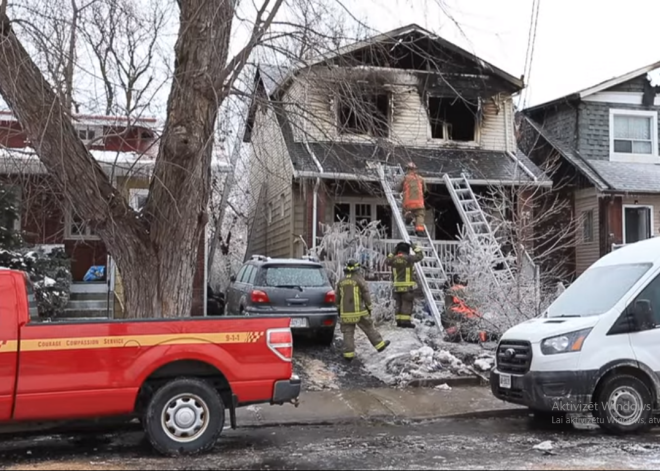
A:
(419, 231)
(386, 344)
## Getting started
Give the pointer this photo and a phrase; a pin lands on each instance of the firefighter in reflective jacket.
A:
(413, 188)
(405, 287)
(354, 303)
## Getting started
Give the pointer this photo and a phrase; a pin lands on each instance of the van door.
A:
(646, 343)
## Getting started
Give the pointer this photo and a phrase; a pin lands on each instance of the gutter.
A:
(369, 178)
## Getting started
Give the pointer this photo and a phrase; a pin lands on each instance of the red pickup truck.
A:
(178, 376)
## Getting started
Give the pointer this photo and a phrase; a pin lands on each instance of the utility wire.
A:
(529, 55)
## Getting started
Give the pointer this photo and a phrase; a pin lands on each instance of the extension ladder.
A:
(431, 275)
(477, 225)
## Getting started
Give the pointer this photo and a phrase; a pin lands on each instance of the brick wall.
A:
(594, 128)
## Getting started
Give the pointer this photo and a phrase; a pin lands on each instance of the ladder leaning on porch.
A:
(431, 275)
(475, 221)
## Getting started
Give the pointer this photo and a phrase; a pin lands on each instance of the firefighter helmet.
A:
(411, 166)
(352, 265)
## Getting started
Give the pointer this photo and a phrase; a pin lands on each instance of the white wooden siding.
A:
(270, 167)
(586, 253)
(409, 125)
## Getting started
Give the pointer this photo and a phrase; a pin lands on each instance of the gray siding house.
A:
(607, 137)
(317, 129)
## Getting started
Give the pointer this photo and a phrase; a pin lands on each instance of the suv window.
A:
(246, 274)
(252, 275)
(242, 271)
(295, 275)
(33, 306)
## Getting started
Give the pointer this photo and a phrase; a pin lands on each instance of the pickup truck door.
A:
(11, 296)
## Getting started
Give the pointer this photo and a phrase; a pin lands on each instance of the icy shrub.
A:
(50, 272)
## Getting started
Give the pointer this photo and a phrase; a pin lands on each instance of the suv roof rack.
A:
(259, 257)
(310, 258)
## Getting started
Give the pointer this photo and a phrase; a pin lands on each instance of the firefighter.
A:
(413, 188)
(405, 287)
(354, 303)
(459, 318)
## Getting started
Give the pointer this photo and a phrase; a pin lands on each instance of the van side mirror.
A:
(641, 315)
(232, 278)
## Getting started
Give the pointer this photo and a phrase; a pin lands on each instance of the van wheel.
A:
(184, 417)
(624, 405)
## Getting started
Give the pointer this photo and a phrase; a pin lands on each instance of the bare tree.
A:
(156, 249)
(124, 37)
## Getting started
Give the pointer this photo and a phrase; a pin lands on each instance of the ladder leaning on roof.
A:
(479, 230)
(431, 275)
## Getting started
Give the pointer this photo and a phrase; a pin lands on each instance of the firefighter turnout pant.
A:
(366, 324)
(405, 301)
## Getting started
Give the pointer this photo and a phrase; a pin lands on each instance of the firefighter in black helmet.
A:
(354, 303)
(405, 286)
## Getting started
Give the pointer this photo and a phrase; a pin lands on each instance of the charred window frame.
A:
(452, 118)
(366, 113)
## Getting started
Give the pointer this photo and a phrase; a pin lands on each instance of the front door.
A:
(637, 223)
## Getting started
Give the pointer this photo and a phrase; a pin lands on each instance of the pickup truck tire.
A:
(184, 417)
(624, 405)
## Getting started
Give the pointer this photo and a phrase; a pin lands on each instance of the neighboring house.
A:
(127, 153)
(318, 130)
(607, 138)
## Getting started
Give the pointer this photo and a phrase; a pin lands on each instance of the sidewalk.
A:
(323, 407)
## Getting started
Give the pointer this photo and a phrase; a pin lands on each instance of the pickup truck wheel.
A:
(624, 405)
(184, 417)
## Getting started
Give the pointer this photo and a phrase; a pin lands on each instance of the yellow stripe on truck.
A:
(126, 341)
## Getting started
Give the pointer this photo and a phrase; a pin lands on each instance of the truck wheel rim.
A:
(185, 418)
(626, 405)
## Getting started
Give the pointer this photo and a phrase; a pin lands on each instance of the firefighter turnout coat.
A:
(413, 189)
(353, 298)
(402, 269)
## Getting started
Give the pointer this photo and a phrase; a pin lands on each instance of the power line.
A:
(531, 43)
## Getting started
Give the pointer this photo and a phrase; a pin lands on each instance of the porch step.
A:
(85, 314)
(87, 305)
(91, 287)
(90, 296)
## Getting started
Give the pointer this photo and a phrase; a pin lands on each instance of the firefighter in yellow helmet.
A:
(405, 286)
(354, 303)
(412, 189)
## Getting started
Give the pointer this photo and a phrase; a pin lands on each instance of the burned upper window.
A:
(452, 119)
(364, 113)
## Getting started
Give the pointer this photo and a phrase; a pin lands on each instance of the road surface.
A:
(445, 444)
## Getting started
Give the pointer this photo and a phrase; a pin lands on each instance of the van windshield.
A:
(597, 290)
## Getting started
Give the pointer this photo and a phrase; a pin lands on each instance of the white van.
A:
(596, 348)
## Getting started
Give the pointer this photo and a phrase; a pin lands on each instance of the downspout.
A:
(507, 147)
(317, 183)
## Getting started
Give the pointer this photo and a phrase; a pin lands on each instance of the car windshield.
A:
(297, 276)
(597, 290)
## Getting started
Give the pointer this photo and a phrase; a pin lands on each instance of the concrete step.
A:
(90, 296)
(91, 287)
(87, 313)
(87, 305)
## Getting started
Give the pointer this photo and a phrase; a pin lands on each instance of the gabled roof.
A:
(612, 82)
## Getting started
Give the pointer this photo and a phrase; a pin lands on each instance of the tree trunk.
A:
(156, 253)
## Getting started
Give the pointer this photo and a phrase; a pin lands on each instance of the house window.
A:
(282, 204)
(269, 213)
(88, 134)
(637, 223)
(138, 198)
(361, 214)
(364, 114)
(77, 228)
(633, 135)
(452, 119)
(588, 226)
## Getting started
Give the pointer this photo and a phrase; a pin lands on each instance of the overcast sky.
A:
(578, 42)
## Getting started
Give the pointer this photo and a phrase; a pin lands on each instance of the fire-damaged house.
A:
(318, 130)
(607, 138)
